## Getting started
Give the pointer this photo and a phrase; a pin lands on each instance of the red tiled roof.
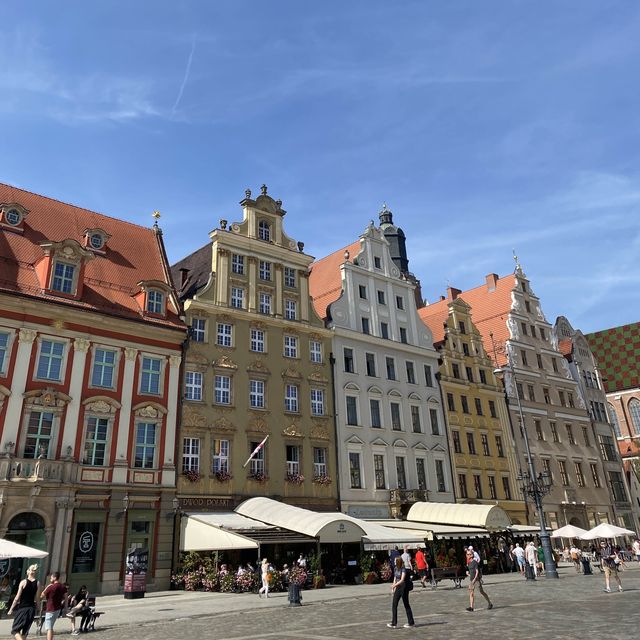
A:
(565, 346)
(325, 279)
(132, 254)
(489, 312)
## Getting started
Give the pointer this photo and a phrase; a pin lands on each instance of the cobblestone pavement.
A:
(572, 607)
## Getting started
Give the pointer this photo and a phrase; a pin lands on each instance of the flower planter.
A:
(295, 595)
(319, 582)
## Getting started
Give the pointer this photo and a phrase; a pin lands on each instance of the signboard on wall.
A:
(85, 548)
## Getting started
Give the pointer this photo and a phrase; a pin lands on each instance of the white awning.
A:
(481, 516)
(199, 533)
(327, 527)
(428, 530)
(378, 537)
(523, 530)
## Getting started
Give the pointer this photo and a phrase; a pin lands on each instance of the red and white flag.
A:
(253, 453)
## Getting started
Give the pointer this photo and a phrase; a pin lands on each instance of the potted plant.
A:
(294, 478)
(192, 475)
(297, 578)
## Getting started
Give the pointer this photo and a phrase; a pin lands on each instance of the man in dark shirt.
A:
(610, 561)
(475, 580)
(54, 594)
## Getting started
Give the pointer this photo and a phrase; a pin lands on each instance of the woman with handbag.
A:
(400, 589)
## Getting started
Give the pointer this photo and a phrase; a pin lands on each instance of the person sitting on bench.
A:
(78, 604)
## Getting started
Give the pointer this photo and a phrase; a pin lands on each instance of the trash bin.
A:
(295, 595)
(135, 577)
(586, 567)
(529, 573)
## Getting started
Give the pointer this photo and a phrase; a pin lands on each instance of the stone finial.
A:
(247, 193)
(300, 247)
(517, 261)
(263, 189)
(279, 204)
(223, 224)
(346, 255)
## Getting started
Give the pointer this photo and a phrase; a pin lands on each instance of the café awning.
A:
(429, 531)
(203, 532)
(479, 516)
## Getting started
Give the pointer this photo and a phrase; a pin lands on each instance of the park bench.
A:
(453, 573)
(89, 615)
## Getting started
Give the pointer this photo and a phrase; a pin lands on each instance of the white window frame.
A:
(64, 278)
(257, 340)
(317, 402)
(63, 362)
(291, 398)
(51, 439)
(361, 478)
(385, 484)
(290, 277)
(199, 333)
(222, 386)
(237, 298)
(114, 366)
(315, 351)
(160, 374)
(224, 334)
(264, 231)
(320, 467)
(237, 263)
(264, 270)
(220, 449)
(191, 454)
(258, 462)
(95, 441)
(293, 455)
(290, 346)
(290, 309)
(5, 350)
(155, 302)
(265, 303)
(257, 394)
(145, 445)
(193, 382)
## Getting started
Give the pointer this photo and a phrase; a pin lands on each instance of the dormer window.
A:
(64, 275)
(155, 302)
(264, 230)
(96, 239)
(12, 216)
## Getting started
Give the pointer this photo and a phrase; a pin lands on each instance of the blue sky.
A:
(485, 126)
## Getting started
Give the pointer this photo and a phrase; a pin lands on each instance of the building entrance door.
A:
(26, 528)
(85, 556)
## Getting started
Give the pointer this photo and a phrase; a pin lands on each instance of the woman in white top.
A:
(265, 579)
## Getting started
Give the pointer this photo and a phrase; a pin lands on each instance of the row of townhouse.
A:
(124, 400)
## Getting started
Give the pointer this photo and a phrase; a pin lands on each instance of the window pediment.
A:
(48, 397)
(379, 442)
(400, 444)
(355, 440)
(101, 404)
(224, 362)
(149, 410)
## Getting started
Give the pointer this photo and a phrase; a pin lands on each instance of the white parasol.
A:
(568, 531)
(10, 549)
(606, 530)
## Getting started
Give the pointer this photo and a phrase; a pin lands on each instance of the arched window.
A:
(634, 410)
(614, 420)
(264, 230)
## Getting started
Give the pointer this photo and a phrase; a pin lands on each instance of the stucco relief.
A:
(175, 360)
(225, 363)
(258, 425)
(512, 325)
(27, 335)
(149, 410)
(257, 366)
(292, 431)
(101, 404)
(290, 372)
(130, 354)
(191, 418)
(319, 432)
(81, 344)
(318, 377)
(222, 424)
(47, 397)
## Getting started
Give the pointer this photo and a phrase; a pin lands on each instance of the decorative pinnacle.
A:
(517, 261)
(263, 189)
(247, 193)
(346, 255)
(156, 215)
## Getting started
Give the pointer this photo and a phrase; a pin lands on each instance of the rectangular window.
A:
(264, 270)
(527, 306)
(520, 391)
(477, 485)
(237, 264)
(399, 302)
(471, 444)
(484, 438)
(4, 348)
(435, 427)
(478, 404)
(289, 277)
(457, 446)
(451, 403)
(570, 434)
(317, 402)
(539, 359)
(352, 410)
(257, 340)
(462, 485)
(198, 329)
(104, 363)
(523, 326)
(370, 361)
(354, 470)
(291, 398)
(319, 462)
(220, 455)
(415, 419)
(362, 291)
(377, 263)
(492, 409)
(391, 368)
(365, 326)
(554, 432)
(462, 327)
(95, 441)
(483, 376)
(571, 402)
(595, 476)
(607, 448)
(411, 374)
(190, 454)
(145, 445)
(554, 364)
(543, 335)
(456, 371)
(396, 423)
(442, 487)
(421, 473)
(290, 347)
(506, 488)
(465, 404)
(381, 299)
(293, 460)
(374, 406)
(546, 468)
(564, 476)
(493, 493)
(523, 355)
(193, 385)
(384, 330)
(290, 309)
(63, 275)
(50, 360)
(264, 304)
(378, 469)
(315, 351)
(237, 298)
(150, 379)
(579, 474)
(256, 394)
(617, 486)
(349, 363)
(465, 349)
(403, 335)
(546, 394)
(257, 466)
(469, 373)
(401, 472)
(222, 389)
(428, 377)
(563, 402)
(499, 447)
(538, 426)
(224, 335)
(532, 392)
(585, 436)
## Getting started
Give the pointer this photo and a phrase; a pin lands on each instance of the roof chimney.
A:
(184, 274)
(492, 280)
(453, 293)
(442, 298)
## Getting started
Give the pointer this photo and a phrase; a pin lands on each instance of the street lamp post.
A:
(533, 485)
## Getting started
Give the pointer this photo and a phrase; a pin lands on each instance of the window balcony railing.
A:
(31, 470)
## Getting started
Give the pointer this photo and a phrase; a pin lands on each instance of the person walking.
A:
(475, 580)
(422, 566)
(518, 553)
(264, 574)
(636, 549)
(54, 593)
(608, 559)
(531, 554)
(400, 589)
(576, 556)
(24, 604)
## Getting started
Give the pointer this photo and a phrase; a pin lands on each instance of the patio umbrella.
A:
(569, 531)
(10, 549)
(606, 530)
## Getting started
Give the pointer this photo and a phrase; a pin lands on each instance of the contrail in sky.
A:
(186, 77)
